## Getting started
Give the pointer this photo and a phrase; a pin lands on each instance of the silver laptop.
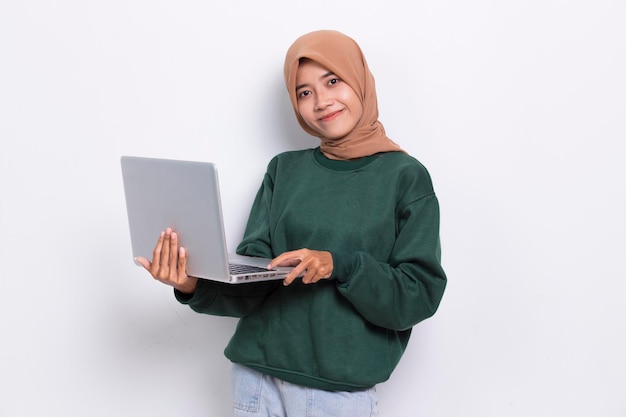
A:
(184, 195)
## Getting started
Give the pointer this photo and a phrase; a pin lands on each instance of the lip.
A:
(330, 116)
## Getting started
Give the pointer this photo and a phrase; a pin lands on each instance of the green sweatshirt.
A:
(379, 218)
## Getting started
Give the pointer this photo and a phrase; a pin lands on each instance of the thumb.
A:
(141, 261)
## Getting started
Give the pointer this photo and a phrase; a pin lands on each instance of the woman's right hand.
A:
(169, 263)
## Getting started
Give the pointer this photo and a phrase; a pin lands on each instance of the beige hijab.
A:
(343, 56)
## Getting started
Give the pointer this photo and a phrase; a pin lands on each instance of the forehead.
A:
(308, 70)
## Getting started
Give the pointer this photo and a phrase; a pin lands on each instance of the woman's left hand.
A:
(312, 265)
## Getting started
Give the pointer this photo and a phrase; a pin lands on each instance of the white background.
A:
(516, 108)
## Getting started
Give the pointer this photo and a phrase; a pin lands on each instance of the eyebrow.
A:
(328, 74)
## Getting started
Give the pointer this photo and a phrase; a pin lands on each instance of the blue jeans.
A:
(259, 395)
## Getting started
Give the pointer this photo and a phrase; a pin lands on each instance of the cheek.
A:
(353, 102)
(305, 112)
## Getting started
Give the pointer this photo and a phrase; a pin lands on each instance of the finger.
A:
(312, 273)
(291, 262)
(185, 283)
(165, 254)
(278, 261)
(308, 277)
(323, 271)
(315, 268)
(291, 258)
(299, 271)
(182, 262)
(146, 264)
(173, 261)
(156, 255)
(289, 279)
(319, 276)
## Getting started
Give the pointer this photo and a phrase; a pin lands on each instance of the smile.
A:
(330, 116)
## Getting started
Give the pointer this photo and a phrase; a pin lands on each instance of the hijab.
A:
(343, 56)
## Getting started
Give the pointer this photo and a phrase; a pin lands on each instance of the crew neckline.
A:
(342, 165)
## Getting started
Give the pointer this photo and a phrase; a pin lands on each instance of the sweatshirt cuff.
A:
(343, 266)
(184, 298)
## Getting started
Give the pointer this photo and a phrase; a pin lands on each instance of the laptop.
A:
(184, 195)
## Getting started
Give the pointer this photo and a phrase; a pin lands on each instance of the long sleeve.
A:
(219, 299)
(406, 289)
(257, 237)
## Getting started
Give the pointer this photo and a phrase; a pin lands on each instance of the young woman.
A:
(359, 220)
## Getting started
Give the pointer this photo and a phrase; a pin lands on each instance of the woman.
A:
(358, 219)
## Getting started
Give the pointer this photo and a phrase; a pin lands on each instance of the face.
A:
(326, 103)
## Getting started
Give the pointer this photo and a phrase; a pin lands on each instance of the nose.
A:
(323, 100)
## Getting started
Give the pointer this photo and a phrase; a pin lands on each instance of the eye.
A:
(333, 81)
(303, 93)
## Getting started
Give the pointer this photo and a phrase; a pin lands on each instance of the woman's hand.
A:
(312, 265)
(169, 263)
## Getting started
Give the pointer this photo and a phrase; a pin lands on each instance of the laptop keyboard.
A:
(237, 269)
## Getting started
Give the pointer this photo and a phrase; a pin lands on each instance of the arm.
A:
(233, 300)
(407, 289)
(256, 240)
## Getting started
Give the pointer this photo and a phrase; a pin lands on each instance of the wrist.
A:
(189, 286)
